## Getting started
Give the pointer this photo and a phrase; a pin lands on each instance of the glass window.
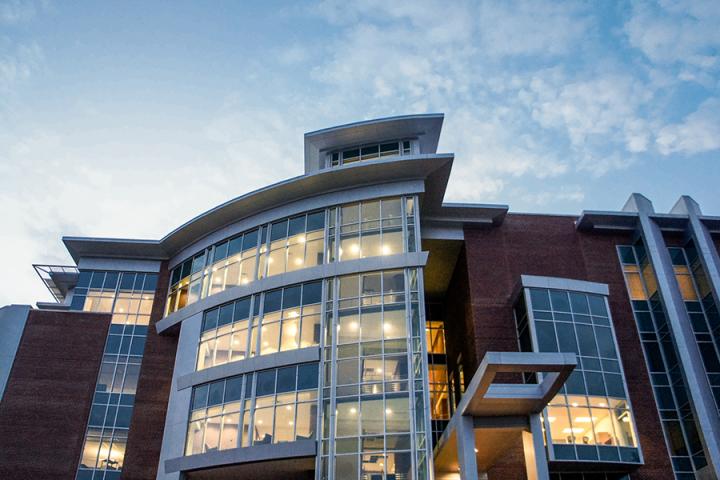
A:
(280, 414)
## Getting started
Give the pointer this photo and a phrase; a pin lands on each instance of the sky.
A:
(126, 119)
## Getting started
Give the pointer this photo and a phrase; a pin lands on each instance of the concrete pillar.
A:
(701, 398)
(466, 448)
(536, 465)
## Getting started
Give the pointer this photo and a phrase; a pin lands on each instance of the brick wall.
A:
(550, 246)
(45, 408)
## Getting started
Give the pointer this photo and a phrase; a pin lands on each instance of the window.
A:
(590, 420)
(660, 351)
(369, 152)
(378, 374)
(372, 228)
(290, 319)
(270, 406)
(369, 229)
(128, 296)
(295, 243)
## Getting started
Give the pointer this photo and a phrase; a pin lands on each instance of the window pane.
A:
(269, 338)
(196, 431)
(372, 412)
(347, 417)
(579, 304)
(262, 431)
(306, 420)
(370, 324)
(539, 299)
(394, 324)
(284, 423)
(265, 383)
(229, 438)
(215, 394)
(307, 376)
(90, 452)
(397, 415)
(286, 379)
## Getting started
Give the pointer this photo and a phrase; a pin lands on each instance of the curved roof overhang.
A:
(425, 127)
(433, 169)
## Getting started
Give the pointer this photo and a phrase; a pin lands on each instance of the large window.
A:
(669, 385)
(375, 372)
(359, 230)
(269, 406)
(129, 297)
(289, 319)
(369, 152)
(590, 419)
(370, 229)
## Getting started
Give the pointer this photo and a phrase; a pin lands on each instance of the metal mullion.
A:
(251, 410)
(332, 434)
(426, 374)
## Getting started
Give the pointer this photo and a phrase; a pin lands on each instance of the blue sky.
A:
(125, 119)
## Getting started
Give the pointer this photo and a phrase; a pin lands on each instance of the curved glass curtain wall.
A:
(590, 419)
(265, 407)
(278, 320)
(374, 371)
(358, 230)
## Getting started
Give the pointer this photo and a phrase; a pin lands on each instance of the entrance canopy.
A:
(492, 416)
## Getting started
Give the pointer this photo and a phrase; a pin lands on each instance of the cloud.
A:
(698, 132)
(18, 64)
(15, 11)
(527, 28)
(604, 107)
(563, 194)
(676, 32)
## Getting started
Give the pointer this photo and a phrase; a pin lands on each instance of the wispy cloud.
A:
(698, 132)
(669, 31)
(15, 11)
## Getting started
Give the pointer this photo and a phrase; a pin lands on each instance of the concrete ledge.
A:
(262, 362)
(403, 260)
(558, 283)
(256, 453)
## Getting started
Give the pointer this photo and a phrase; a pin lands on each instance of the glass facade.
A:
(129, 297)
(358, 230)
(374, 416)
(369, 152)
(268, 406)
(278, 320)
(438, 382)
(701, 309)
(668, 382)
(590, 419)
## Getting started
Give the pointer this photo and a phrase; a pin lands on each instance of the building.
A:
(348, 323)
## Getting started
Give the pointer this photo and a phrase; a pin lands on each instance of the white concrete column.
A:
(535, 458)
(466, 448)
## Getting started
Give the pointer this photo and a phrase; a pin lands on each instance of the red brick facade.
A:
(548, 246)
(45, 408)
